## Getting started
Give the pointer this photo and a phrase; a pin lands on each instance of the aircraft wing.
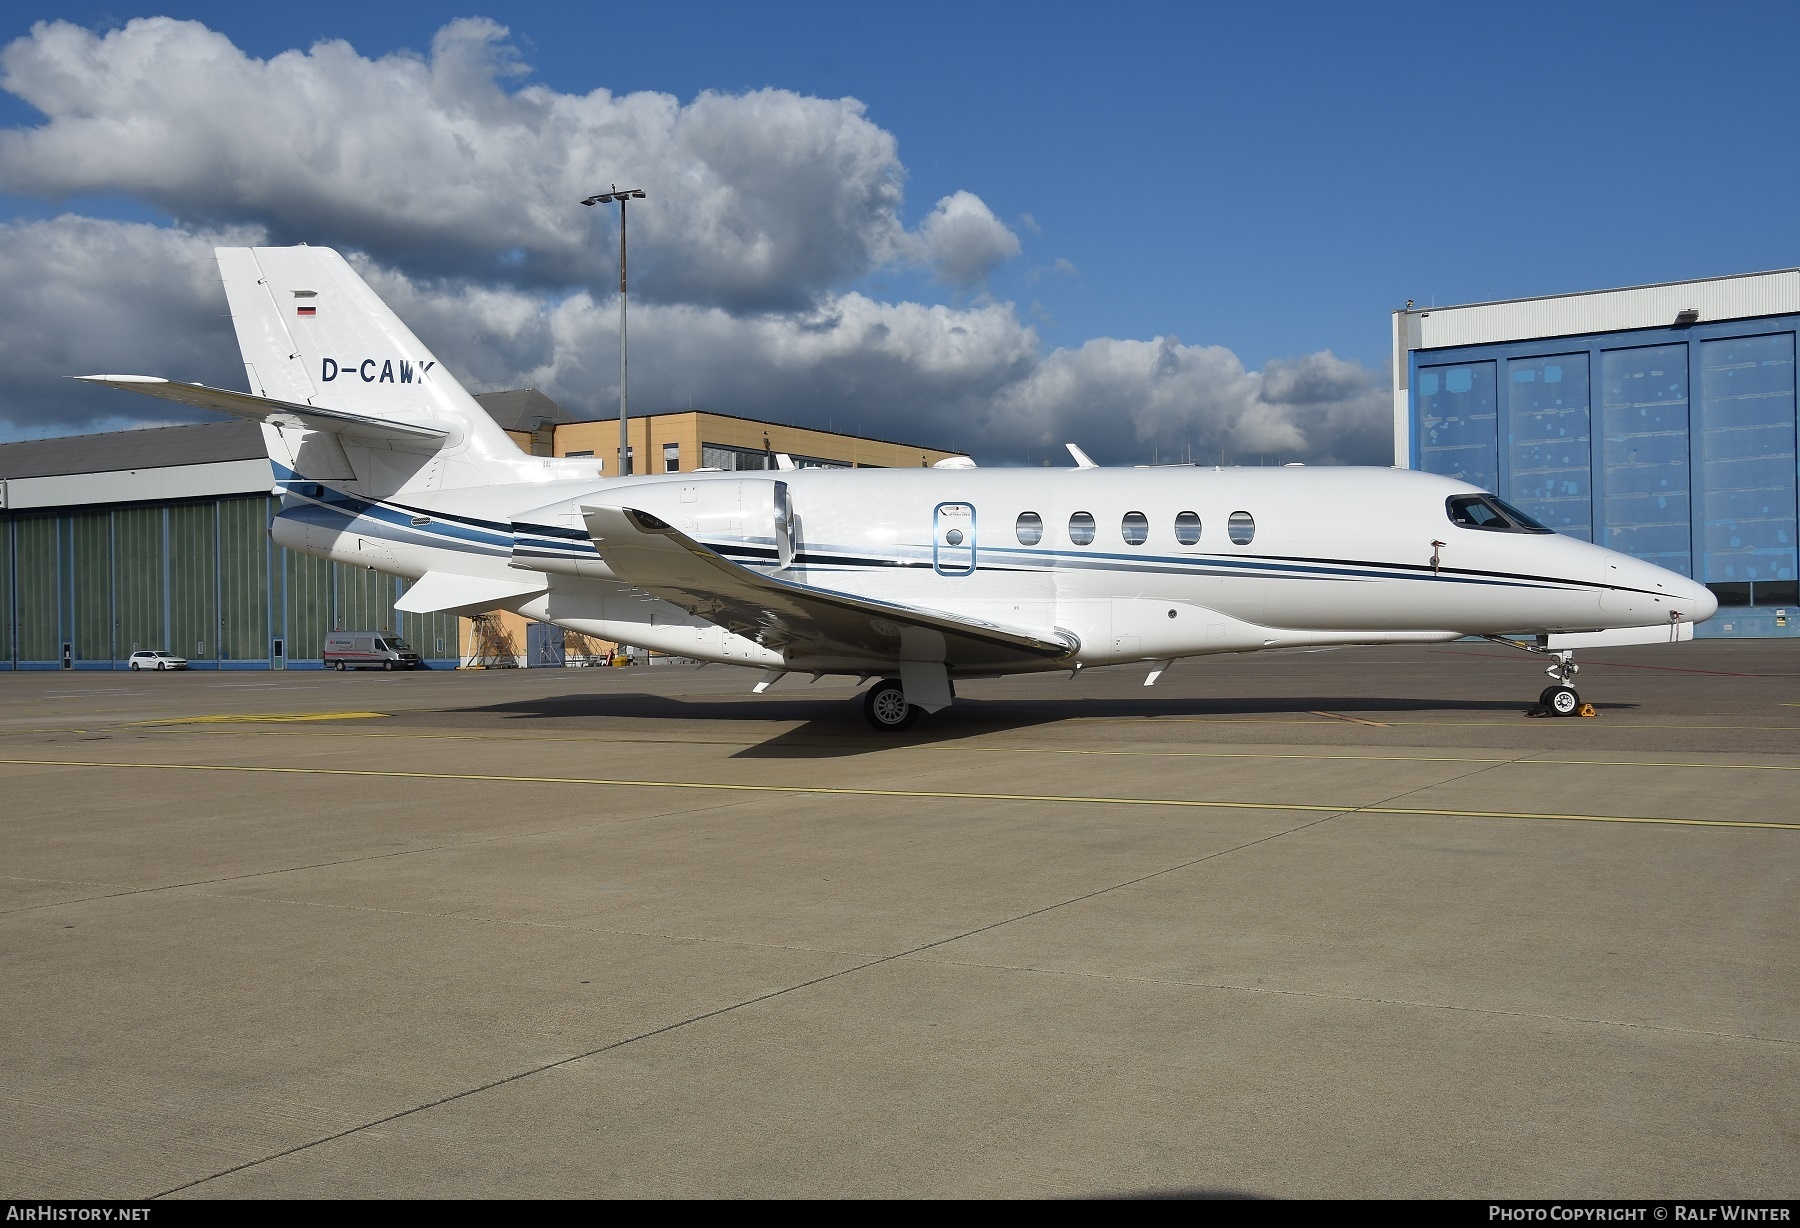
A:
(264, 409)
(798, 619)
(441, 592)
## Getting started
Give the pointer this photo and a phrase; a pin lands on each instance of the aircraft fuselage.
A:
(1133, 564)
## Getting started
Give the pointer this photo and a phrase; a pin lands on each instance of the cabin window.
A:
(1490, 513)
(1135, 528)
(1081, 528)
(1187, 527)
(1030, 528)
(1241, 528)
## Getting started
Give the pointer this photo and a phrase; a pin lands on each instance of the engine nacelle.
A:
(755, 516)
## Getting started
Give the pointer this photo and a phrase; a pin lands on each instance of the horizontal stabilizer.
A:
(265, 409)
(445, 592)
(1673, 633)
(799, 619)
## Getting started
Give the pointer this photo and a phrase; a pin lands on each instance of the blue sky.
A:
(1273, 179)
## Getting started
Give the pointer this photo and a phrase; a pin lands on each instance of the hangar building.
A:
(158, 538)
(1657, 420)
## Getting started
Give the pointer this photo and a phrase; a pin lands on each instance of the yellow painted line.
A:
(1221, 754)
(268, 718)
(1282, 720)
(918, 794)
(1355, 720)
(984, 749)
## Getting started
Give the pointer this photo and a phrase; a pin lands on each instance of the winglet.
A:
(1082, 459)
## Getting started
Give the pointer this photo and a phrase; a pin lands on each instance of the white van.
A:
(368, 650)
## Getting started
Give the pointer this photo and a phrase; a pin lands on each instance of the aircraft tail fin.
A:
(314, 334)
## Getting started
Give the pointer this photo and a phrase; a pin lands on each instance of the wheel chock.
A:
(1586, 710)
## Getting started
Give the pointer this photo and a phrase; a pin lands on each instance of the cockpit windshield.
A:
(1491, 513)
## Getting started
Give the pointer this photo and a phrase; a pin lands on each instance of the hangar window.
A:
(1488, 512)
(1030, 528)
(1135, 528)
(1645, 447)
(1744, 449)
(1081, 528)
(1187, 527)
(1547, 443)
(1241, 528)
(1458, 423)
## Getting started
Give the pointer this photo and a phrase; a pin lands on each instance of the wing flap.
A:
(798, 619)
(267, 409)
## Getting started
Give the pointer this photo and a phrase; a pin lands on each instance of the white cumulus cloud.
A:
(453, 185)
(86, 297)
(964, 240)
(755, 200)
(1131, 400)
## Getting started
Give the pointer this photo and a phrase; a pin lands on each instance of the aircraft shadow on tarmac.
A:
(831, 726)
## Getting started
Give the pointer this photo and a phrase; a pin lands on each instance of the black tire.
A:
(135, 667)
(1562, 700)
(886, 708)
(387, 667)
(338, 666)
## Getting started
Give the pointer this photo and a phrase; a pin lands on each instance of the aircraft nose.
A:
(1702, 603)
(1675, 593)
(1689, 598)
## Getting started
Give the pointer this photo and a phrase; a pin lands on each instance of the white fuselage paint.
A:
(1339, 555)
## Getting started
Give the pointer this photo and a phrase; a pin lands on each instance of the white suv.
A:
(157, 659)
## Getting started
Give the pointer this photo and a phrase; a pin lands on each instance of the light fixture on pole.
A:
(607, 198)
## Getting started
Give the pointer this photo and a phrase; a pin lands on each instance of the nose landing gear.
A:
(1561, 698)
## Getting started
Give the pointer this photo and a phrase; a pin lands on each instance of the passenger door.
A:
(953, 539)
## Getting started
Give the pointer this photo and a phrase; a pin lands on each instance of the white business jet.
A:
(913, 577)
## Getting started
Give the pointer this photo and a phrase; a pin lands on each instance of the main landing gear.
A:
(886, 707)
(1560, 698)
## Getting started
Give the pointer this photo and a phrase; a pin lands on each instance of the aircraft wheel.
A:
(886, 707)
(1562, 700)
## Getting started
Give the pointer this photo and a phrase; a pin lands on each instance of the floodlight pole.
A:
(606, 198)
